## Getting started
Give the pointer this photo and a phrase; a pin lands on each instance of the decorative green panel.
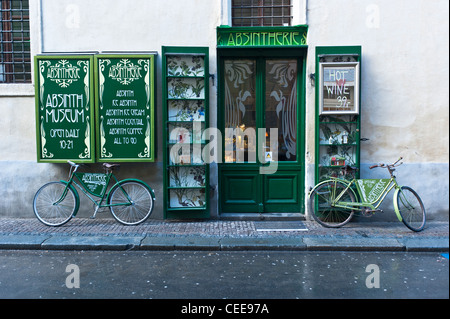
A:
(282, 187)
(125, 98)
(371, 189)
(64, 111)
(238, 191)
(234, 37)
(282, 191)
(95, 183)
(185, 114)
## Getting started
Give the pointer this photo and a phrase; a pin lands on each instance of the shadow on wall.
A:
(429, 180)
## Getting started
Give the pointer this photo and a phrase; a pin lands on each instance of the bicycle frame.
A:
(387, 186)
(371, 198)
(88, 183)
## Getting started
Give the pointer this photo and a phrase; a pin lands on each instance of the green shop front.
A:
(261, 114)
(96, 108)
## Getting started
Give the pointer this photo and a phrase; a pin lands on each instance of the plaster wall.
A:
(405, 65)
(404, 93)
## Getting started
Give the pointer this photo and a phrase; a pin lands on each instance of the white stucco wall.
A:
(405, 67)
(101, 25)
(404, 96)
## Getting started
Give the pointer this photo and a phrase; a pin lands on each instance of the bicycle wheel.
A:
(321, 208)
(48, 206)
(411, 208)
(138, 210)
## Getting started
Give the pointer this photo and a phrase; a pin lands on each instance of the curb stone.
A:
(252, 243)
(91, 243)
(22, 241)
(425, 244)
(215, 243)
(353, 244)
(180, 243)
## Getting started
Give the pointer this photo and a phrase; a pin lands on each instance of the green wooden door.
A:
(261, 111)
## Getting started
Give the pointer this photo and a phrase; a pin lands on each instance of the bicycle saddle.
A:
(111, 166)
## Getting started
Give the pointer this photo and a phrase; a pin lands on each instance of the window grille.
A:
(15, 61)
(261, 13)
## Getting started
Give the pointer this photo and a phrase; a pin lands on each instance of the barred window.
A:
(15, 62)
(261, 13)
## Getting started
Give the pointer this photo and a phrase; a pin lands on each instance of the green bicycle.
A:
(333, 202)
(130, 200)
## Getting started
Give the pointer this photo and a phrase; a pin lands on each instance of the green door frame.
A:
(247, 174)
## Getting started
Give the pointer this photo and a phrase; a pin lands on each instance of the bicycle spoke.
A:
(138, 209)
(50, 207)
(411, 209)
(322, 204)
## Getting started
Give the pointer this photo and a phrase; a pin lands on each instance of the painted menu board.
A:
(125, 107)
(64, 108)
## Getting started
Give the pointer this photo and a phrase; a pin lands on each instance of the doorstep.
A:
(262, 216)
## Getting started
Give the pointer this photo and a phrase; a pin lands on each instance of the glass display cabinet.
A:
(185, 117)
(338, 124)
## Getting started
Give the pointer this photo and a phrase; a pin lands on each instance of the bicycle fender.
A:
(397, 210)
(131, 180)
(77, 197)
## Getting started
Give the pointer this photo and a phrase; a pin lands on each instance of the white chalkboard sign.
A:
(339, 88)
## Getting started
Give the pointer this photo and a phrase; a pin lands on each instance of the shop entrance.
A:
(261, 116)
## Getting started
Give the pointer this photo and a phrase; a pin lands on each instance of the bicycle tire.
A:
(321, 209)
(411, 208)
(47, 208)
(140, 208)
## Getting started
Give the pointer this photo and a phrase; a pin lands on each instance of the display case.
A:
(185, 116)
(338, 112)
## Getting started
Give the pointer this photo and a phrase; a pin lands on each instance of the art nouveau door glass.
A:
(281, 106)
(240, 109)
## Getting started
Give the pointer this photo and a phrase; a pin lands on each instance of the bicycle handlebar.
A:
(388, 166)
(71, 163)
(74, 166)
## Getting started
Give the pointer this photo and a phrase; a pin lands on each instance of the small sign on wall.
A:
(339, 88)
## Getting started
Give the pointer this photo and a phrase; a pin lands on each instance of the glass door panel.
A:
(281, 107)
(240, 110)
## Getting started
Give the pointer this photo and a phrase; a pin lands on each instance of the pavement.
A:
(224, 235)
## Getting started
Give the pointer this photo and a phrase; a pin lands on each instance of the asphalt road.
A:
(217, 275)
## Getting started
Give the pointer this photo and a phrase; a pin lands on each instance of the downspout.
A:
(305, 10)
(41, 22)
